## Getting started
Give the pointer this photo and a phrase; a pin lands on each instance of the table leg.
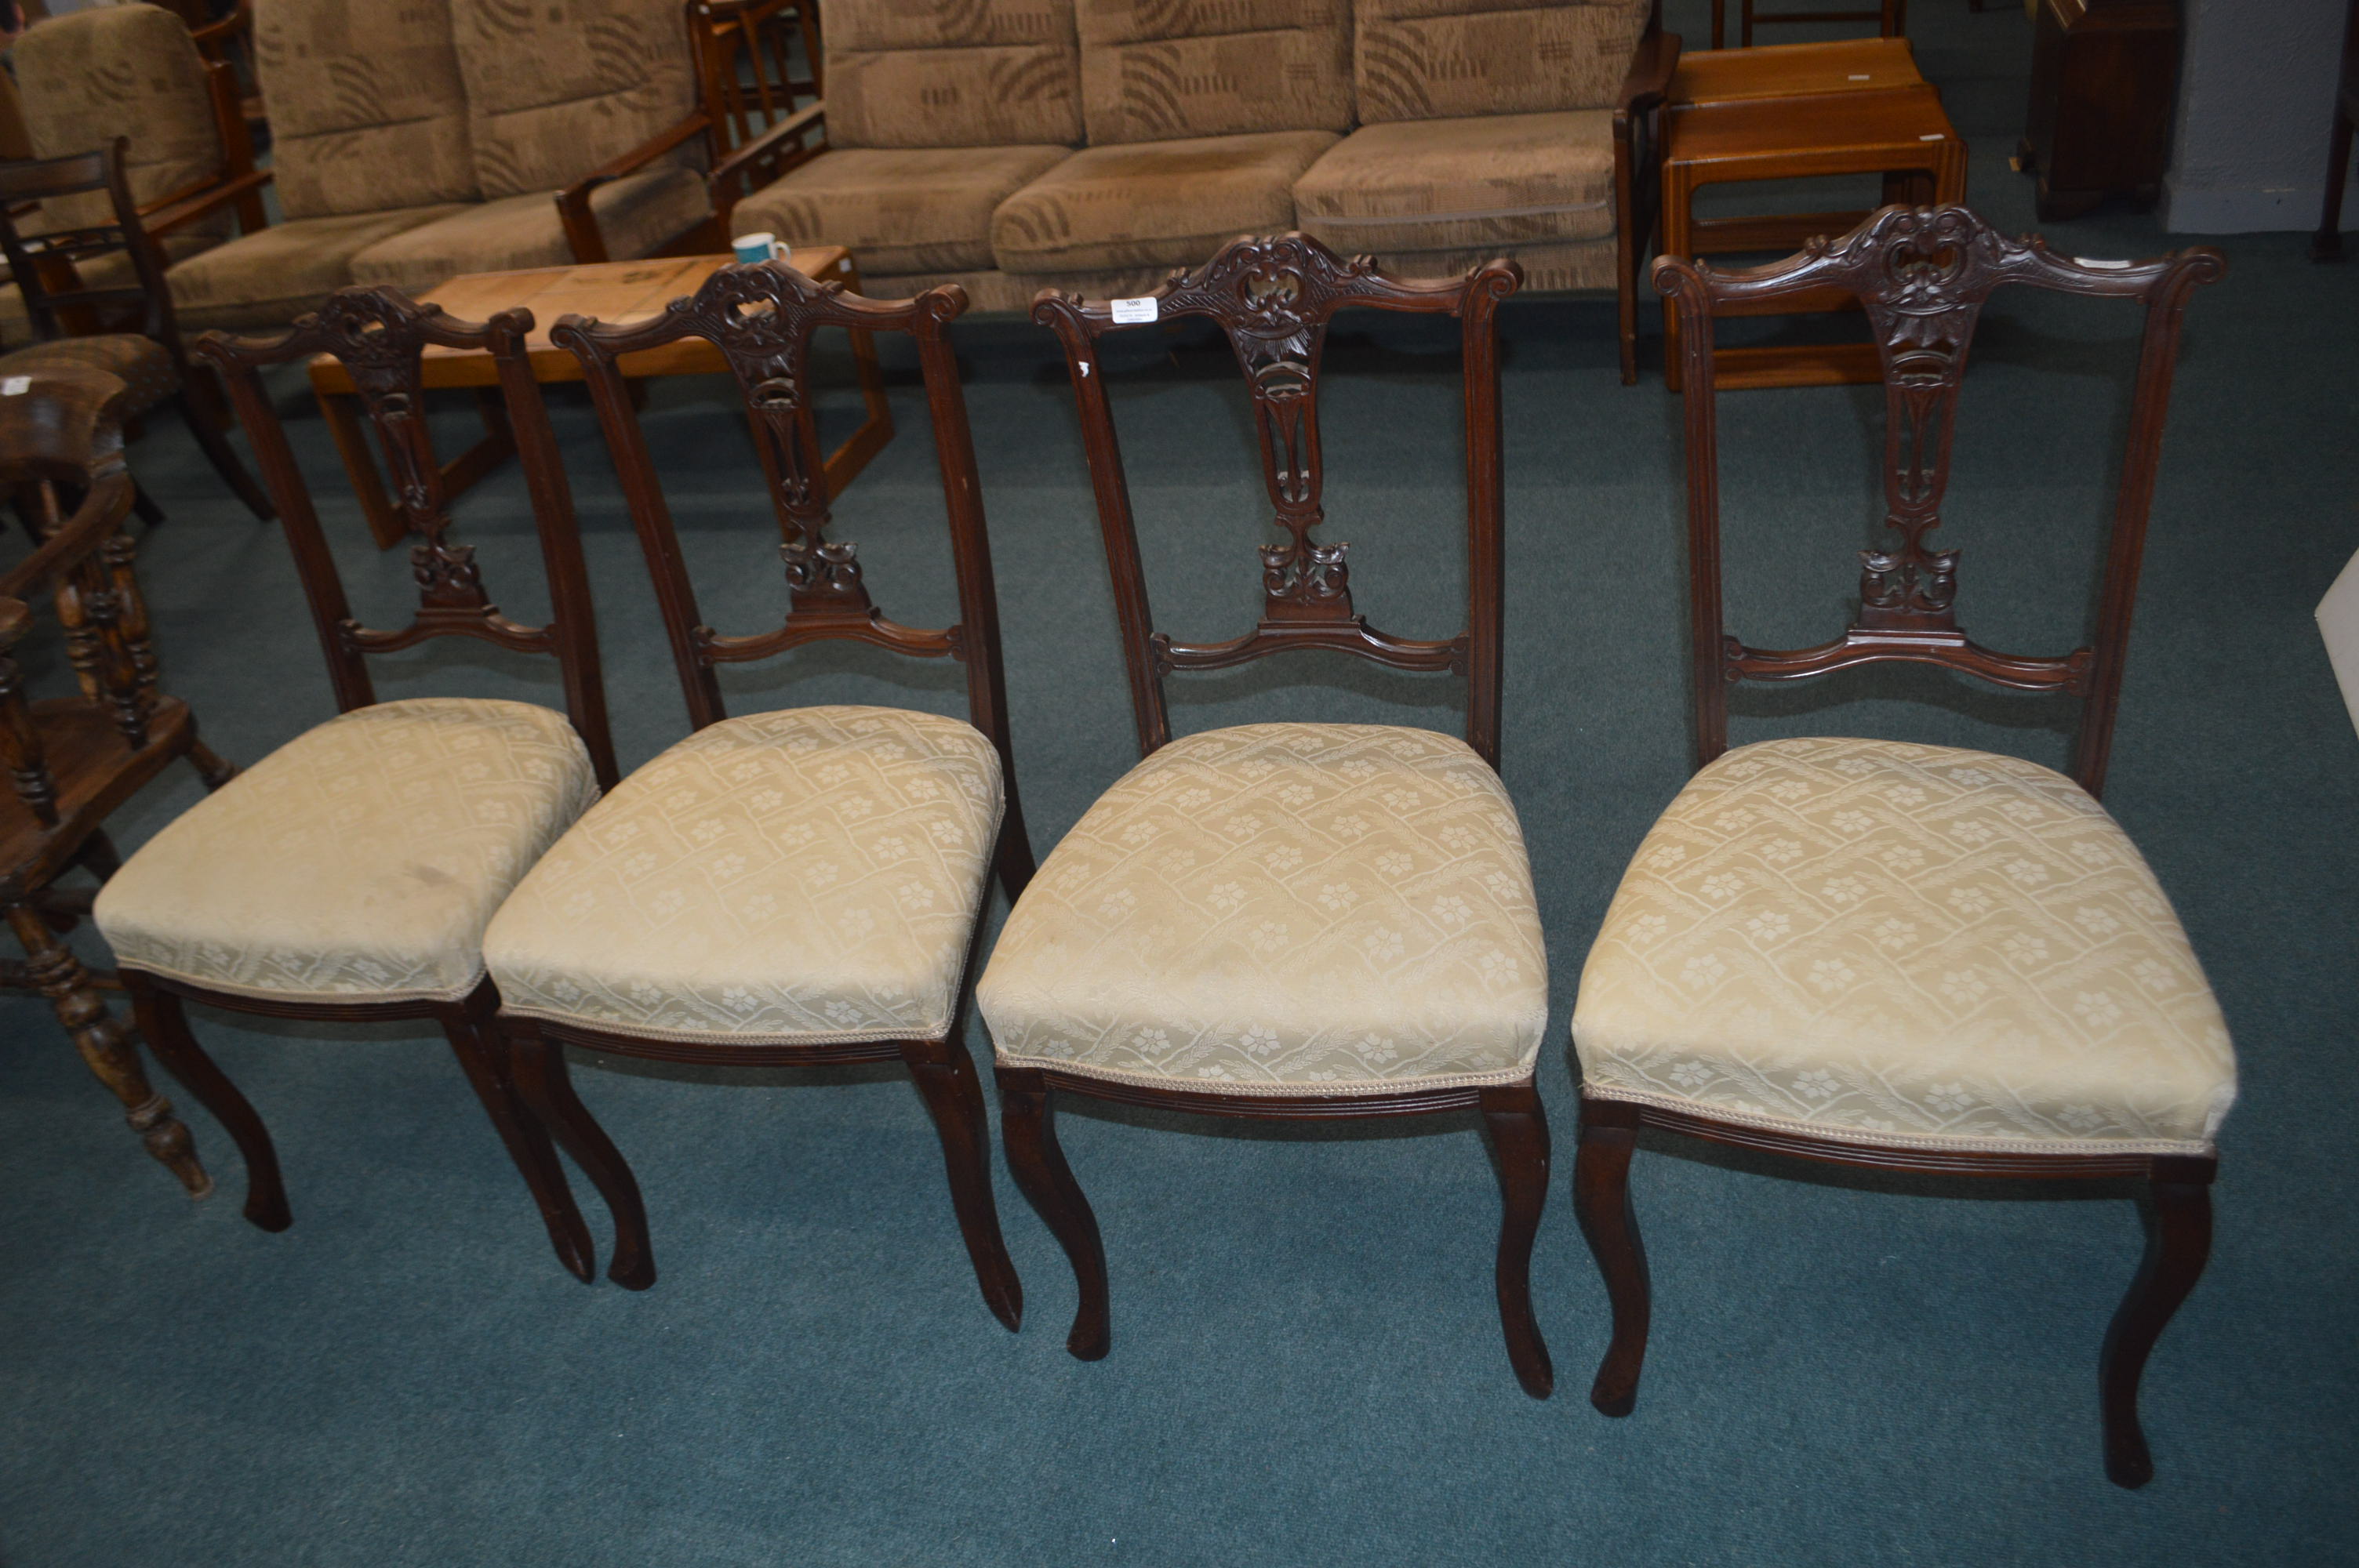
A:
(340, 410)
(843, 464)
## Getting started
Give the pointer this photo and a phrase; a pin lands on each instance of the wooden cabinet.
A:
(2103, 76)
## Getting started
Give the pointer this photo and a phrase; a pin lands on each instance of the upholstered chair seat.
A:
(358, 862)
(1903, 945)
(805, 876)
(1282, 909)
(899, 210)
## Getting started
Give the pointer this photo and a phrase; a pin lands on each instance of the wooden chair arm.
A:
(573, 202)
(768, 150)
(1650, 78)
(217, 35)
(160, 219)
(77, 539)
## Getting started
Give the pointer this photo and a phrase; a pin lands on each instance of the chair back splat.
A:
(1274, 298)
(1923, 275)
(761, 318)
(379, 335)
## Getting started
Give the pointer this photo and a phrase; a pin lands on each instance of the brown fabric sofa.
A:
(1434, 132)
(417, 141)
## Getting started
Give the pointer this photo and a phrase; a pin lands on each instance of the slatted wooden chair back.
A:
(761, 318)
(1922, 274)
(1273, 298)
(379, 335)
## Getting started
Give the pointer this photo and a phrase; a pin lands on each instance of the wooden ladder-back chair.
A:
(348, 876)
(71, 761)
(1890, 17)
(1291, 921)
(802, 887)
(125, 329)
(1909, 957)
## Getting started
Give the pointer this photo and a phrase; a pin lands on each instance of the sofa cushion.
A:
(1155, 203)
(635, 216)
(897, 209)
(557, 87)
(1425, 59)
(1153, 70)
(952, 73)
(1503, 180)
(367, 112)
(269, 277)
(88, 77)
(1549, 266)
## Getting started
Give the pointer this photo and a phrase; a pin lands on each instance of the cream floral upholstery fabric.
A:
(358, 862)
(1903, 945)
(810, 875)
(1282, 909)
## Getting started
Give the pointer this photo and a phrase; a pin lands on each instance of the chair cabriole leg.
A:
(165, 1023)
(547, 1088)
(476, 1041)
(1600, 1201)
(953, 1094)
(2179, 1243)
(1028, 1127)
(1519, 1133)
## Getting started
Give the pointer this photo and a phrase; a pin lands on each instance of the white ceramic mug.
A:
(753, 248)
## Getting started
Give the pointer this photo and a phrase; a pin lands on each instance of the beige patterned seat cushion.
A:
(269, 277)
(358, 862)
(808, 876)
(1282, 909)
(636, 215)
(1428, 185)
(897, 209)
(1154, 204)
(1903, 945)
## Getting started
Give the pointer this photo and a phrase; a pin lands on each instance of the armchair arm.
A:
(181, 208)
(214, 37)
(574, 201)
(1650, 78)
(775, 151)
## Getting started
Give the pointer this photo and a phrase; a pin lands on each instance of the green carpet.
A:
(1307, 1364)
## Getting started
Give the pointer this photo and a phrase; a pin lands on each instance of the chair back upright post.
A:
(1273, 297)
(1922, 275)
(380, 335)
(55, 299)
(761, 318)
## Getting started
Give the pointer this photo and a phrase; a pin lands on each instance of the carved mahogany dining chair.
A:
(72, 760)
(802, 887)
(120, 314)
(348, 875)
(1303, 921)
(1909, 957)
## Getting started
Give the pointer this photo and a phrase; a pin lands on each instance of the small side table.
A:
(1902, 135)
(1792, 70)
(612, 291)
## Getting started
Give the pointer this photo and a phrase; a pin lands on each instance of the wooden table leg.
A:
(341, 411)
(843, 464)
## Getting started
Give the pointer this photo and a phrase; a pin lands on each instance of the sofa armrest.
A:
(574, 201)
(767, 159)
(1650, 78)
(181, 208)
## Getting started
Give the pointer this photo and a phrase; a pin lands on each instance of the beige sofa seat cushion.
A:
(953, 73)
(88, 77)
(1428, 60)
(558, 88)
(1153, 70)
(1501, 180)
(1903, 945)
(897, 209)
(110, 270)
(808, 875)
(1154, 204)
(1282, 909)
(358, 862)
(269, 277)
(367, 110)
(636, 215)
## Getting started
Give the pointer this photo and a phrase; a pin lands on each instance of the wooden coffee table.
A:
(613, 292)
(1901, 134)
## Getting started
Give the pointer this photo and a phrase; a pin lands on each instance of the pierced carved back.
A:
(761, 318)
(379, 335)
(1274, 298)
(1922, 275)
